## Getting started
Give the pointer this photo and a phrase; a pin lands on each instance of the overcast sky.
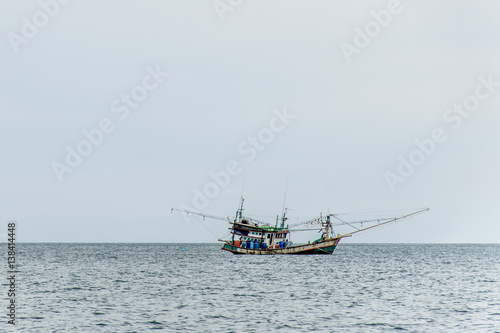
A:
(272, 88)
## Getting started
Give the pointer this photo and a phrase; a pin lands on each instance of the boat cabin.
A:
(252, 236)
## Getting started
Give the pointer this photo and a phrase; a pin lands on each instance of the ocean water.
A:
(360, 288)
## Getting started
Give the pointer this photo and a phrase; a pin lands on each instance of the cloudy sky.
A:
(114, 112)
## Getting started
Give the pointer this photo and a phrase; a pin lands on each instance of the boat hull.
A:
(326, 246)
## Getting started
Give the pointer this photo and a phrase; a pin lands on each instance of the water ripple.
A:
(360, 288)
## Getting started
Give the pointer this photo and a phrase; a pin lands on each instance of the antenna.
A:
(243, 186)
(283, 219)
(242, 189)
(286, 189)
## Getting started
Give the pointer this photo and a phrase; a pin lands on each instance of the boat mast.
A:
(327, 226)
(284, 218)
(239, 212)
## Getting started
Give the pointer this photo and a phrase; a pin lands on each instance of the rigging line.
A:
(305, 229)
(371, 220)
(336, 224)
(345, 222)
(402, 210)
(386, 222)
(203, 224)
(268, 216)
(224, 235)
(227, 219)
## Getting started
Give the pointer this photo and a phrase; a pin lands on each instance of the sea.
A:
(200, 288)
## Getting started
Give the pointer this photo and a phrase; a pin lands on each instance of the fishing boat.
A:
(251, 236)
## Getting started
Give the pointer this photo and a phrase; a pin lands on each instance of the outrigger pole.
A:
(239, 215)
(227, 219)
(381, 224)
(329, 225)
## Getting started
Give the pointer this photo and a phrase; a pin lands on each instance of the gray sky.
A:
(232, 66)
